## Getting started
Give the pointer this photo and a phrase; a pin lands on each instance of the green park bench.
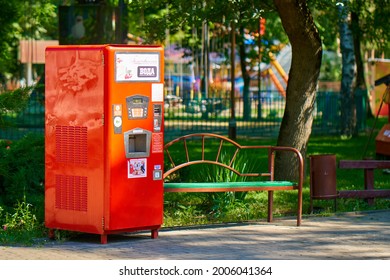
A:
(179, 156)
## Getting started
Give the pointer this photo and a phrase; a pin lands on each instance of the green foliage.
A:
(37, 20)
(21, 179)
(23, 20)
(21, 219)
(330, 67)
(9, 14)
(222, 203)
(22, 170)
(21, 226)
(13, 101)
(373, 24)
(183, 209)
(372, 28)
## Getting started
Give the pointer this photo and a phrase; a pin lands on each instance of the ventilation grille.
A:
(71, 192)
(71, 144)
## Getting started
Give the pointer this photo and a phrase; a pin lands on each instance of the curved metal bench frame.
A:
(269, 185)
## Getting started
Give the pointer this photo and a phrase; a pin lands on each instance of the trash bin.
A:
(322, 178)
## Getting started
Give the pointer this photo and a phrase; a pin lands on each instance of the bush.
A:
(22, 168)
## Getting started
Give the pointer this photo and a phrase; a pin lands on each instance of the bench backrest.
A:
(202, 143)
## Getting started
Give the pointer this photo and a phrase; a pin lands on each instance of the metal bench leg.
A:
(270, 205)
(300, 203)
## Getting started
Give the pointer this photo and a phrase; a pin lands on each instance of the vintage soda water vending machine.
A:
(104, 139)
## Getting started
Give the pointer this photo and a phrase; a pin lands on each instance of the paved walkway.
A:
(348, 236)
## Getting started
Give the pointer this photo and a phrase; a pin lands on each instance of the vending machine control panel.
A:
(137, 107)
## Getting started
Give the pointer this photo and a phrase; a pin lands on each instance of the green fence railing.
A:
(261, 117)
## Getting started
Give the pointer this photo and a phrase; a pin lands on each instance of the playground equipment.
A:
(281, 64)
(382, 144)
(275, 63)
(382, 141)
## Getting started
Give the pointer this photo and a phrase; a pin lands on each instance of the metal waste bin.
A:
(322, 178)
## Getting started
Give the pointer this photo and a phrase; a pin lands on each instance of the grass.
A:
(199, 208)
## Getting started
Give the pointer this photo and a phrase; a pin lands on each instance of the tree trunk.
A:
(245, 76)
(356, 30)
(348, 114)
(360, 92)
(297, 121)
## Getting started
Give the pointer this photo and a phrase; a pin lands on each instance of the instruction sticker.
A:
(136, 168)
(157, 143)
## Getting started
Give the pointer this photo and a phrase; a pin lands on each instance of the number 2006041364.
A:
(255, 271)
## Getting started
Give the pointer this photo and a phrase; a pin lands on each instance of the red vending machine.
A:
(104, 139)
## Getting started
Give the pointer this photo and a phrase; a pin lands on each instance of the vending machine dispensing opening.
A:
(137, 143)
(104, 125)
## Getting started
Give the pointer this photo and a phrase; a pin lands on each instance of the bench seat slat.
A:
(217, 186)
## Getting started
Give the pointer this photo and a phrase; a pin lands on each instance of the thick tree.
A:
(306, 46)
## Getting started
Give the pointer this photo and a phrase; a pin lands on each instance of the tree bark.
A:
(245, 76)
(306, 46)
(348, 72)
(356, 31)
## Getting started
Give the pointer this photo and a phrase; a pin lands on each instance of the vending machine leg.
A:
(51, 234)
(103, 238)
(154, 233)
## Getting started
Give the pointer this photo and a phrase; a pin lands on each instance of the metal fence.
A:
(30, 120)
(261, 117)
